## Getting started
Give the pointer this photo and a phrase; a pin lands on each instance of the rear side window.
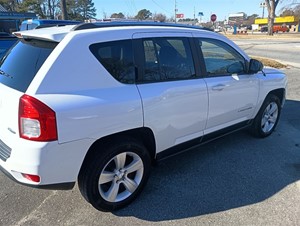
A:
(20, 65)
(117, 58)
(168, 59)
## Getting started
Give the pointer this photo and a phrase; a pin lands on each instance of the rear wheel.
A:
(115, 175)
(267, 117)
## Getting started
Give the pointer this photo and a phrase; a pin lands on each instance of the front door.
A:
(232, 92)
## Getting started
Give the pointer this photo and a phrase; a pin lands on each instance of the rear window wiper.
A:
(5, 74)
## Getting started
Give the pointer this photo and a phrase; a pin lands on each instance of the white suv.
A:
(98, 103)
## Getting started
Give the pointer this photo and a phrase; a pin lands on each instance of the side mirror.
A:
(255, 66)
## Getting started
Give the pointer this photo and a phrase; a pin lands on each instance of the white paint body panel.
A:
(175, 111)
(232, 99)
(90, 104)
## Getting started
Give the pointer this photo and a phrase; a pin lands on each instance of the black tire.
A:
(267, 117)
(117, 186)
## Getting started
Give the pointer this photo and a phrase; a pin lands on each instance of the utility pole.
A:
(194, 16)
(263, 5)
(175, 10)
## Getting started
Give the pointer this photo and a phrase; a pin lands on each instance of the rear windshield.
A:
(5, 45)
(21, 63)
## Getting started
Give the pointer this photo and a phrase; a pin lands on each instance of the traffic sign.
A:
(213, 17)
(180, 15)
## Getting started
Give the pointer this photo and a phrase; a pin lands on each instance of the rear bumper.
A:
(60, 186)
(57, 165)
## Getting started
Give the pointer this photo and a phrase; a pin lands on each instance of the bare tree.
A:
(271, 6)
(63, 6)
(159, 17)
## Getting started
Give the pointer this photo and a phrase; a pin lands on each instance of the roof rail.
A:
(50, 25)
(85, 26)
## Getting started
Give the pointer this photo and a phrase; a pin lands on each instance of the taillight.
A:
(36, 120)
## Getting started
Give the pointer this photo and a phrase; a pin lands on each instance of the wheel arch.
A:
(280, 93)
(143, 135)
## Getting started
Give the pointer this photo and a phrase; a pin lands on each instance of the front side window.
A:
(221, 59)
(117, 58)
(167, 59)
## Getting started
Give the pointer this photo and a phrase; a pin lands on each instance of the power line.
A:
(161, 7)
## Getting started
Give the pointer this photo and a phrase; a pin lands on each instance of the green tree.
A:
(143, 14)
(80, 9)
(73, 10)
(117, 15)
(43, 8)
(87, 9)
(34, 6)
(10, 5)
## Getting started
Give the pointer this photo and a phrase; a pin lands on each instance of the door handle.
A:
(219, 87)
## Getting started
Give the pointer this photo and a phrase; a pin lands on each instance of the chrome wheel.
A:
(120, 177)
(269, 117)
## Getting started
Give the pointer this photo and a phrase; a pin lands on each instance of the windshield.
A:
(19, 66)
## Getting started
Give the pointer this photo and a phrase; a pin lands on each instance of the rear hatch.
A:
(17, 70)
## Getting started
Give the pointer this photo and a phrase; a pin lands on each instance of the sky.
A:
(222, 8)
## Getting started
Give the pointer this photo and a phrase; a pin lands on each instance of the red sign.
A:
(181, 15)
(213, 17)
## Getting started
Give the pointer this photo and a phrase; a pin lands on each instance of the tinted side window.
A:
(221, 59)
(117, 58)
(19, 66)
(167, 59)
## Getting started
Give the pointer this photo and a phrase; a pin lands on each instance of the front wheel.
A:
(267, 117)
(115, 176)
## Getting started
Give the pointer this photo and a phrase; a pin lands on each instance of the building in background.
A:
(10, 21)
(237, 19)
(290, 22)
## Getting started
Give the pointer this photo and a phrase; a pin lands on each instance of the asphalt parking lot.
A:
(235, 180)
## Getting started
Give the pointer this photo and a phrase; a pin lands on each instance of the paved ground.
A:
(236, 180)
(284, 48)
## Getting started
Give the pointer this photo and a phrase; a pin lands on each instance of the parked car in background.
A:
(6, 42)
(276, 28)
(264, 29)
(37, 23)
(280, 28)
(98, 103)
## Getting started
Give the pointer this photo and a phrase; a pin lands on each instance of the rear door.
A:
(175, 100)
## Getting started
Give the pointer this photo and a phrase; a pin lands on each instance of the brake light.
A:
(36, 120)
